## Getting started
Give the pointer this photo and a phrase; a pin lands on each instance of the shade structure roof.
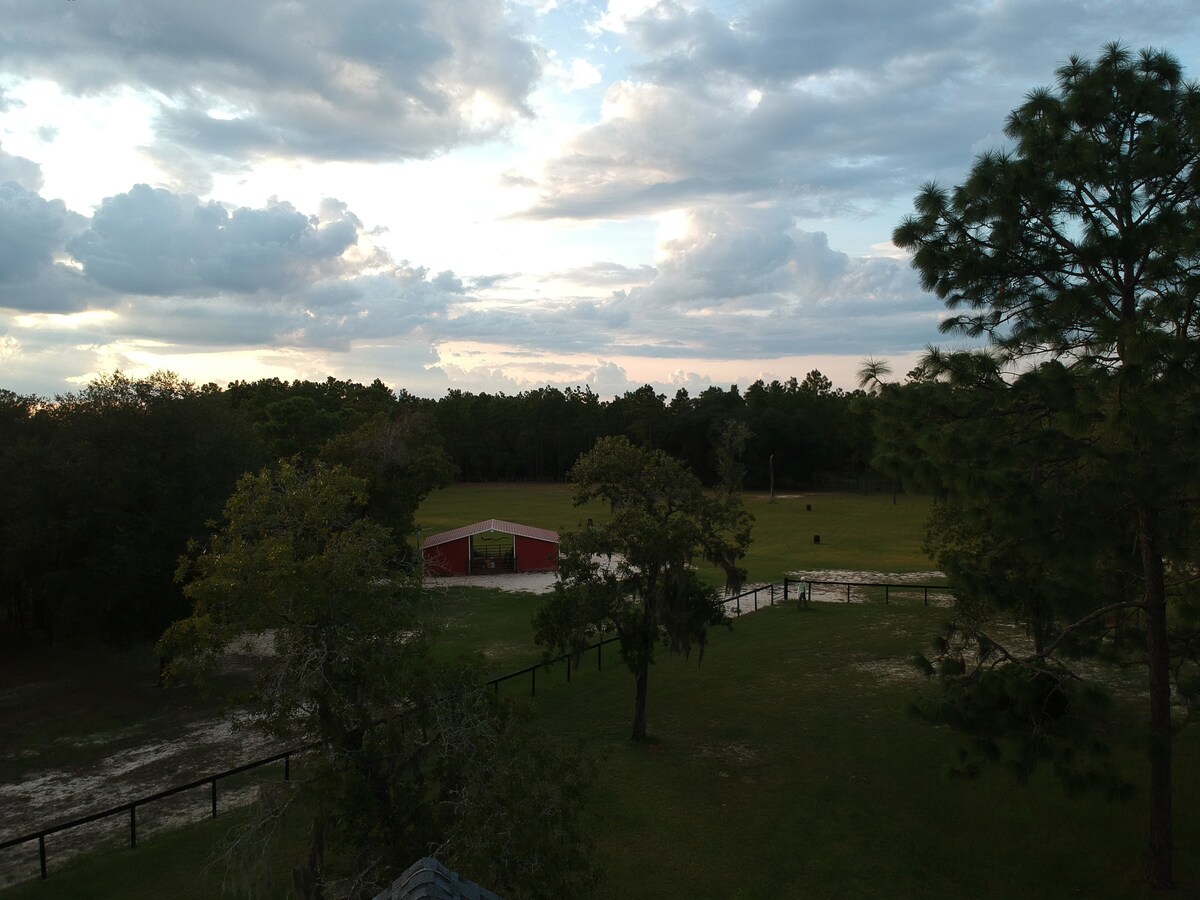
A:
(445, 537)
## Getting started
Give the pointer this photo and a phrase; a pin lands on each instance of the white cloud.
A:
(368, 79)
(531, 191)
(618, 15)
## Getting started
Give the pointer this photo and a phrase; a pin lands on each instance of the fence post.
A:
(42, 853)
(847, 592)
(214, 798)
(132, 825)
(287, 767)
(926, 596)
(599, 667)
(886, 588)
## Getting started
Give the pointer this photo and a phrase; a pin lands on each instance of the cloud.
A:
(840, 107)
(173, 269)
(362, 79)
(745, 282)
(33, 234)
(21, 171)
(576, 76)
(153, 241)
(32, 230)
(736, 282)
(606, 274)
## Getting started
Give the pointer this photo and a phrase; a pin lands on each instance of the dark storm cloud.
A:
(361, 79)
(153, 241)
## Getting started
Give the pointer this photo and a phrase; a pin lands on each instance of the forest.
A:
(101, 490)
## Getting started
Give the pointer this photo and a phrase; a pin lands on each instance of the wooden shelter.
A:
(490, 547)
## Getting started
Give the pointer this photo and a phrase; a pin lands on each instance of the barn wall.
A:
(448, 559)
(536, 556)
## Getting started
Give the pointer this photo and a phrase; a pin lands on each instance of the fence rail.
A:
(750, 596)
(806, 595)
(131, 807)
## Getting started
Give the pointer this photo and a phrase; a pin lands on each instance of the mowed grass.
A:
(864, 532)
(858, 532)
(784, 766)
(495, 626)
(539, 505)
(787, 766)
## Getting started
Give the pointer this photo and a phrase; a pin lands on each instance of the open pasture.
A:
(864, 532)
(786, 765)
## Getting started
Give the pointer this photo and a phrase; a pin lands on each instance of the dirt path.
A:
(90, 736)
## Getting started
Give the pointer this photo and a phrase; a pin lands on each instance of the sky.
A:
(497, 195)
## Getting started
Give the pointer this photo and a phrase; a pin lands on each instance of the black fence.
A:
(752, 599)
(131, 808)
(806, 593)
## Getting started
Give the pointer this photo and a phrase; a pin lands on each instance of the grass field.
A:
(858, 531)
(784, 766)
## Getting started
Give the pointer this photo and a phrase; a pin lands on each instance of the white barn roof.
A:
(445, 537)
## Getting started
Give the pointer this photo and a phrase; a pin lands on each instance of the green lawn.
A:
(494, 624)
(858, 531)
(540, 505)
(784, 766)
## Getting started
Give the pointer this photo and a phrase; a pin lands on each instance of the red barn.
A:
(489, 548)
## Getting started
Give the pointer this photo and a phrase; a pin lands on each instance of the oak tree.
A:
(402, 753)
(635, 573)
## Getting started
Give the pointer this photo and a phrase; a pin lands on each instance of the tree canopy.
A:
(1077, 254)
(635, 572)
(405, 759)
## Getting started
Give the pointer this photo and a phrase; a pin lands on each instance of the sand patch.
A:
(836, 590)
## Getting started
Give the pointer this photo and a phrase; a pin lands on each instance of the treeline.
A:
(102, 490)
(818, 435)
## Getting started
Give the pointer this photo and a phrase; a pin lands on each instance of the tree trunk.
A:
(1157, 655)
(642, 678)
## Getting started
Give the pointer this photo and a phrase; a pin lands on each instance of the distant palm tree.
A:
(872, 372)
(870, 376)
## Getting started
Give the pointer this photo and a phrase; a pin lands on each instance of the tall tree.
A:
(1081, 248)
(404, 760)
(103, 490)
(635, 573)
(731, 443)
